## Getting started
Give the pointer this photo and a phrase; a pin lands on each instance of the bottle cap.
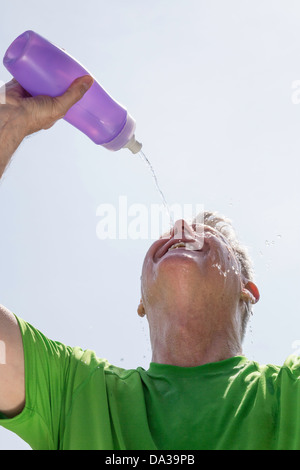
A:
(125, 138)
(133, 145)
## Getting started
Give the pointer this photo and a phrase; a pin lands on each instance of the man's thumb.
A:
(84, 83)
(75, 91)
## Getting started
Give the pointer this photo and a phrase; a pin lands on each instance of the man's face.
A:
(192, 266)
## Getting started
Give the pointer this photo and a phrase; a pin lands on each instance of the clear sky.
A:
(209, 84)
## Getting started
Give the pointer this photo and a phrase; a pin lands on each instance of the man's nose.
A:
(182, 230)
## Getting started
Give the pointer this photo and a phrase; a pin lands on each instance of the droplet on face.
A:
(218, 266)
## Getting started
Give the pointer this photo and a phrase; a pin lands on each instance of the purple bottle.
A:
(45, 69)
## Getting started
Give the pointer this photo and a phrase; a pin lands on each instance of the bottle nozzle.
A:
(133, 145)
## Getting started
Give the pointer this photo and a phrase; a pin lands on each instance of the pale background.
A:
(210, 86)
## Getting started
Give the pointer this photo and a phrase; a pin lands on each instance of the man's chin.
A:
(181, 257)
(180, 264)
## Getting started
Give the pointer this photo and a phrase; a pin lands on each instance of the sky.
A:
(212, 86)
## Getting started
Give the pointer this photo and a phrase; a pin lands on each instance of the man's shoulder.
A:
(290, 367)
(88, 359)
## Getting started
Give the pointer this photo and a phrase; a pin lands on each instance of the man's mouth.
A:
(199, 245)
(188, 246)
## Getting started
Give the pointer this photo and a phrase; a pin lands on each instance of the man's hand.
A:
(41, 112)
(22, 114)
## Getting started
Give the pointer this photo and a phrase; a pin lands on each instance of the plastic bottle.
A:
(45, 69)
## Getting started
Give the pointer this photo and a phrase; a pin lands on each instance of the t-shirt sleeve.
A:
(46, 374)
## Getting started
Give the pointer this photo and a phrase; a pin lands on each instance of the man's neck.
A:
(190, 347)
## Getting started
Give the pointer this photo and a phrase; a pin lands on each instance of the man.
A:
(199, 392)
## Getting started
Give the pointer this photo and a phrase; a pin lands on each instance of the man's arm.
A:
(12, 380)
(11, 135)
(20, 116)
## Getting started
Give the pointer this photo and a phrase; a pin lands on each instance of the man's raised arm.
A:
(22, 115)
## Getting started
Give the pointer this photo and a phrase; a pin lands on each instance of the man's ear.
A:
(250, 292)
(140, 309)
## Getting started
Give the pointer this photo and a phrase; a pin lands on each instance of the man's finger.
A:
(75, 92)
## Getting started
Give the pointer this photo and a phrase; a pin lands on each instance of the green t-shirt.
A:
(75, 400)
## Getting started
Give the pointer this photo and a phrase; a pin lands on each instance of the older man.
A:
(199, 392)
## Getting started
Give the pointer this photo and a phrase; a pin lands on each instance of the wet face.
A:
(190, 269)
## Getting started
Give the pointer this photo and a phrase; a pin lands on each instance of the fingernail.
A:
(87, 83)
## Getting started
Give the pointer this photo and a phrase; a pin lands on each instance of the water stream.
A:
(143, 156)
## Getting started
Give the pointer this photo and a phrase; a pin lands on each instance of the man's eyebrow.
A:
(216, 232)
